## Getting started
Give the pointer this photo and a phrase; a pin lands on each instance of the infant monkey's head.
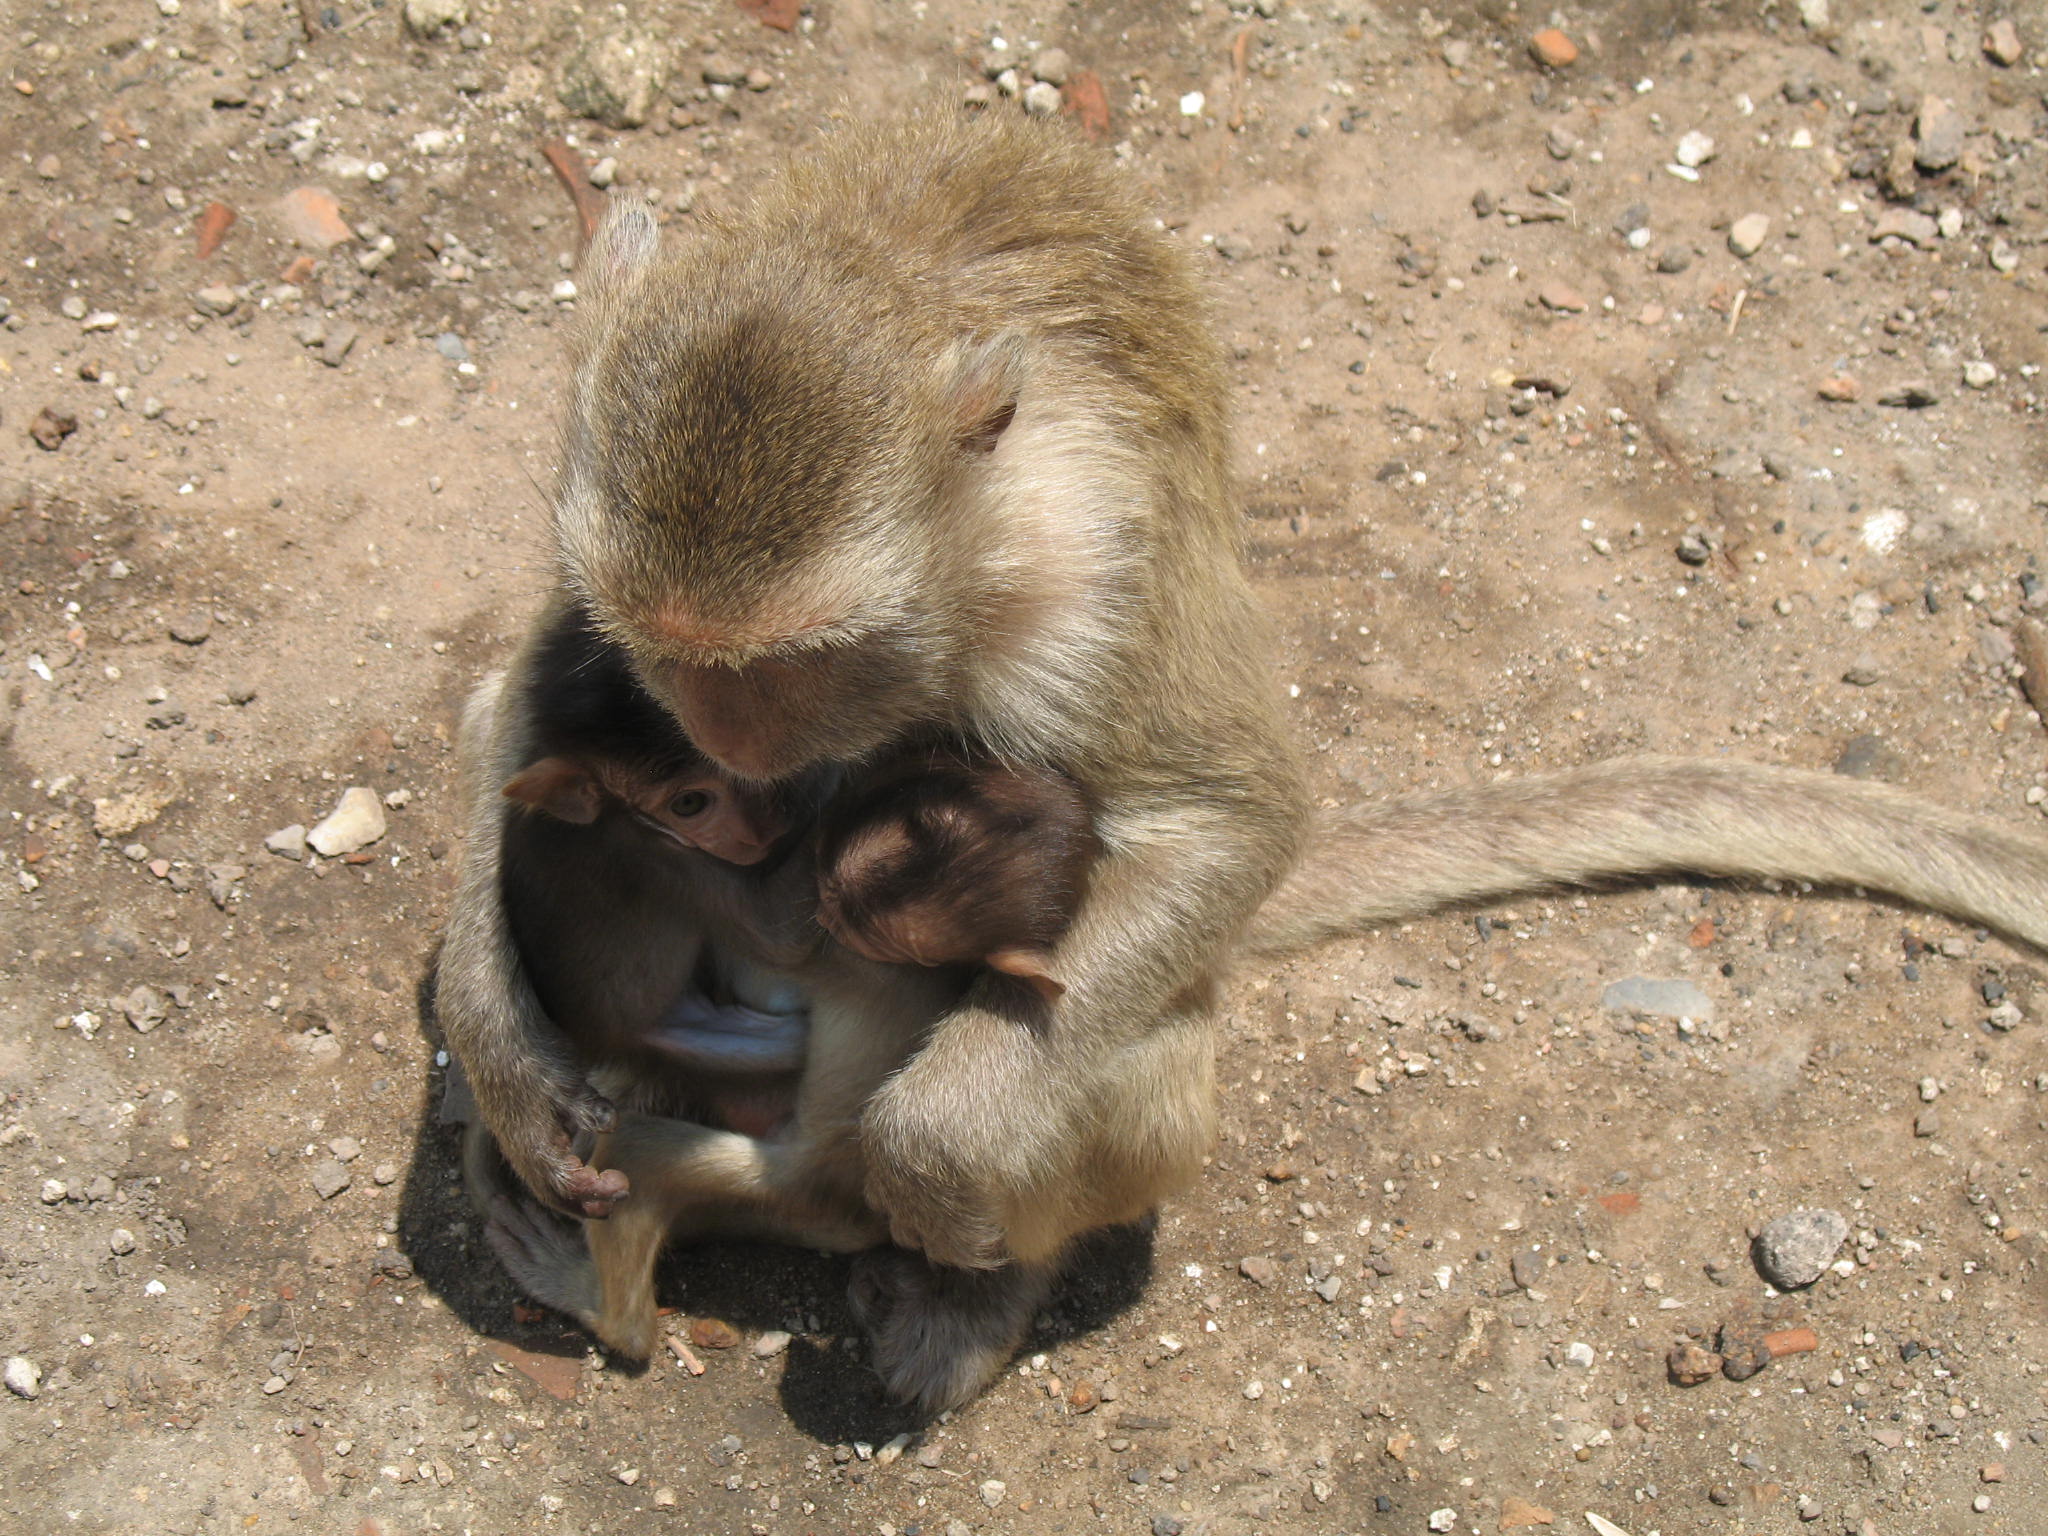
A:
(943, 862)
(692, 803)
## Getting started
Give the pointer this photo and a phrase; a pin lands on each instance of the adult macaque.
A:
(929, 441)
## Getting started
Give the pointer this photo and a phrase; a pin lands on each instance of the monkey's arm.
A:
(1379, 862)
(529, 1089)
(1019, 1123)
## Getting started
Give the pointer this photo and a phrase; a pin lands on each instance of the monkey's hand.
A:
(546, 1141)
(956, 1144)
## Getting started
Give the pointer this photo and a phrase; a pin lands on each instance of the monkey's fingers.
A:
(595, 1192)
(586, 1112)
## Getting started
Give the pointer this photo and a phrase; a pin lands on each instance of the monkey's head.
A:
(771, 474)
(697, 809)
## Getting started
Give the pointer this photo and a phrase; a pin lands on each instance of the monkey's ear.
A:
(625, 245)
(559, 787)
(985, 379)
(1030, 967)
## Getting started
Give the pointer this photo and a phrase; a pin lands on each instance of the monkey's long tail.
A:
(1379, 862)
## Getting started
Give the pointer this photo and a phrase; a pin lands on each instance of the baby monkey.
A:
(939, 860)
(934, 860)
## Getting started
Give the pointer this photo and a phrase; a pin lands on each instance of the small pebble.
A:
(2002, 43)
(1795, 1249)
(121, 1240)
(1694, 150)
(356, 822)
(992, 1492)
(1746, 236)
(1938, 132)
(24, 1377)
(1978, 374)
(1553, 49)
(288, 842)
(330, 1178)
(771, 1344)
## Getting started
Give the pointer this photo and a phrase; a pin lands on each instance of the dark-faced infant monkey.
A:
(641, 831)
(929, 442)
(939, 860)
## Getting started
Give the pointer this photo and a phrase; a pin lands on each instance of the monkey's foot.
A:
(941, 1335)
(544, 1255)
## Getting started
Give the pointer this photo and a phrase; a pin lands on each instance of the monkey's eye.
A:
(695, 803)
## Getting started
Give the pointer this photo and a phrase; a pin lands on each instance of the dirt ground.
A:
(1522, 489)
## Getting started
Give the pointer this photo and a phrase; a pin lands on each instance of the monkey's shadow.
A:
(827, 1389)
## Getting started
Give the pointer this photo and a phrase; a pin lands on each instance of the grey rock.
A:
(1527, 1268)
(2002, 43)
(1795, 1249)
(1659, 999)
(1260, 1271)
(615, 79)
(1042, 99)
(221, 882)
(337, 344)
(330, 1177)
(219, 299)
(1052, 66)
(288, 842)
(1938, 132)
(1905, 224)
(424, 18)
(121, 1240)
(144, 1008)
(1747, 235)
(771, 1344)
(355, 823)
(194, 628)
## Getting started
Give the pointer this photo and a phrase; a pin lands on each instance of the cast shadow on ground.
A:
(826, 1387)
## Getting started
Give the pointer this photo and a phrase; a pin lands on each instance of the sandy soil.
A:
(300, 515)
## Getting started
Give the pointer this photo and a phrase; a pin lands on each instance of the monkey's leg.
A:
(542, 1252)
(940, 1335)
(689, 1179)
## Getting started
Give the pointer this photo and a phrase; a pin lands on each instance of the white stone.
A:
(1695, 149)
(356, 822)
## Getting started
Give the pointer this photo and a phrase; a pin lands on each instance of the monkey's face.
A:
(769, 717)
(734, 822)
(778, 510)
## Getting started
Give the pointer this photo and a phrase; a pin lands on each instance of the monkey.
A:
(943, 861)
(930, 439)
